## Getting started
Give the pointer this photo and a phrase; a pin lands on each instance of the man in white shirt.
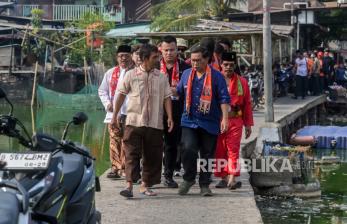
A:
(301, 68)
(107, 94)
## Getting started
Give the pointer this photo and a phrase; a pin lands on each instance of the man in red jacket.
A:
(240, 114)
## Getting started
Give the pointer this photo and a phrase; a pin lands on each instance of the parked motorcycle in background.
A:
(53, 181)
(282, 81)
(256, 85)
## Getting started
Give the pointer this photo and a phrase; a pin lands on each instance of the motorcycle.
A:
(53, 181)
(282, 82)
(256, 87)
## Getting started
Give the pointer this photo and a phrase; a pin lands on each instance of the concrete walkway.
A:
(168, 207)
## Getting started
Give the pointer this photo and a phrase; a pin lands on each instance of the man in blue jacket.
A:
(206, 104)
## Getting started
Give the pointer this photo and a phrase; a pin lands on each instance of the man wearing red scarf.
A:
(205, 116)
(172, 67)
(228, 143)
(107, 90)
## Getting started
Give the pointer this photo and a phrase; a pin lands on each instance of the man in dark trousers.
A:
(172, 66)
(206, 104)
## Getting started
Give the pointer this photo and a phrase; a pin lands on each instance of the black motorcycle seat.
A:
(73, 170)
(9, 208)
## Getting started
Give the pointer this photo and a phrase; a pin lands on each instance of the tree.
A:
(336, 22)
(34, 48)
(83, 50)
(179, 15)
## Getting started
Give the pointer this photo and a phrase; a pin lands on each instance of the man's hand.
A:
(248, 130)
(224, 125)
(174, 91)
(114, 122)
(170, 124)
(110, 107)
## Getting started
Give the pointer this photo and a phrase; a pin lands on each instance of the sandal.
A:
(236, 185)
(148, 192)
(127, 193)
(113, 175)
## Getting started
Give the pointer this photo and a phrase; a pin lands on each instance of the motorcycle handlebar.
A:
(8, 125)
(71, 147)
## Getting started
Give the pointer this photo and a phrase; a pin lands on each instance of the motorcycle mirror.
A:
(79, 118)
(2, 93)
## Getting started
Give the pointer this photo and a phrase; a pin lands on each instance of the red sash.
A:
(175, 78)
(114, 80)
(206, 94)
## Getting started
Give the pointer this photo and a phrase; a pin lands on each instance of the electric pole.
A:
(267, 52)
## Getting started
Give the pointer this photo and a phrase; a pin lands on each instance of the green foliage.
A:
(36, 19)
(336, 21)
(76, 56)
(179, 15)
(35, 46)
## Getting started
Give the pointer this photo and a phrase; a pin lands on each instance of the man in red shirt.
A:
(240, 114)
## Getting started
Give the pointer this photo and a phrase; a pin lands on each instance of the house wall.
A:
(241, 5)
(135, 10)
(257, 5)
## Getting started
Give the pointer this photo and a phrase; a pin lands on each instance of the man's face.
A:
(152, 61)
(136, 57)
(198, 62)
(123, 59)
(228, 68)
(305, 54)
(169, 51)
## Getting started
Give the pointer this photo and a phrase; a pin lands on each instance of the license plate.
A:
(25, 161)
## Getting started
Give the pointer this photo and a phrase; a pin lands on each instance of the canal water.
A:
(52, 121)
(330, 208)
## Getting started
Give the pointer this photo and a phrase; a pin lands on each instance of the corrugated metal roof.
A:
(207, 33)
(128, 31)
(4, 4)
(205, 25)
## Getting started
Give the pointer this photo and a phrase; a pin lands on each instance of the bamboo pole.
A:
(72, 43)
(11, 58)
(33, 121)
(34, 85)
(85, 71)
(103, 141)
(52, 64)
(83, 133)
(46, 55)
(51, 41)
(25, 34)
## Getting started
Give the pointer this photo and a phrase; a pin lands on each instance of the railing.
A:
(27, 9)
(74, 12)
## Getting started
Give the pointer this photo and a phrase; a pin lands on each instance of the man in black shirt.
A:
(172, 66)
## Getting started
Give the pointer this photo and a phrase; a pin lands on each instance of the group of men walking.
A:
(156, 104)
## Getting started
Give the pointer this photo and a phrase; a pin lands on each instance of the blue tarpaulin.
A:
(325, 135)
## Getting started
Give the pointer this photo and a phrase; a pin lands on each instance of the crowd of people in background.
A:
(311, 74)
